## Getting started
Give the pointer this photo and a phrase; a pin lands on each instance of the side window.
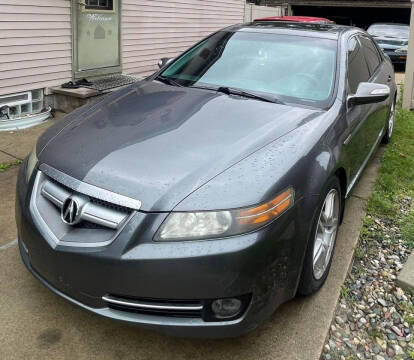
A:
(357, 66)
(371, 53)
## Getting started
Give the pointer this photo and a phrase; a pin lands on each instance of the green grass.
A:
(407, 309)
(345, 292)
(396, 177)
(409, 319)
(351, 357)
(359, 253)
(407, 229)
(5, 166)
(376, 334)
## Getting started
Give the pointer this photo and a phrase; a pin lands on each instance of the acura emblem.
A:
(70, 211)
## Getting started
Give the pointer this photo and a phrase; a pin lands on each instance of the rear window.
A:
(371, 54)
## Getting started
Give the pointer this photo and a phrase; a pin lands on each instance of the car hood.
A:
(158, 143)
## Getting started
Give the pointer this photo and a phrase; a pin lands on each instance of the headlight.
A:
(215, 224)
(402, 50)
(31, 163)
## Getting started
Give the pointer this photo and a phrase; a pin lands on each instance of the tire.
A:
(390, 124)
(322, 239)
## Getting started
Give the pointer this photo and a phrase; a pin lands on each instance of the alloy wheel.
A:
(391, 120)
(326, 234)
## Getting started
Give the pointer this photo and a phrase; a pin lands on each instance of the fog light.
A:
(226, 308)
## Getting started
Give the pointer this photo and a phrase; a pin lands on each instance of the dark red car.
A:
(302, 19)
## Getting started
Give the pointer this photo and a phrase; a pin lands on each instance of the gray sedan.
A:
(199, 199)
(392, 39)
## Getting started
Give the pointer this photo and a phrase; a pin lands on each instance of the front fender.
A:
(301, 159)
(298, 159)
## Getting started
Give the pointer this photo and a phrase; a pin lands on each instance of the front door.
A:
(381, 74)
(96, 37)
(357, 72)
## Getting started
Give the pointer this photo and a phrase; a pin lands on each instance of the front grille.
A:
(94, 200)
(391, 42)
(95, 222)
(110, 205)
(95, 211)
(88, 225)
(156, 307)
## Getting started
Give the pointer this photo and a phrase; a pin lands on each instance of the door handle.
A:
(348, 139)
(389, 78)
(80, 3)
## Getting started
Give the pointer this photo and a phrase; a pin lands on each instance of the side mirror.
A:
(369, 93)
(163, 62)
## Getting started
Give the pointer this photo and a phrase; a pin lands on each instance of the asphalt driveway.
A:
(37, 324)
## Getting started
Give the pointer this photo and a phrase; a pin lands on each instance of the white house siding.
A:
(152, 29)
(35, 44)
(253, 12)
(36, 36)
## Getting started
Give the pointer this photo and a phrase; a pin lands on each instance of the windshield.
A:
(292, 68)
(389, 30)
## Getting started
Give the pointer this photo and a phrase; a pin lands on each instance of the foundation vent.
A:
(22, 110)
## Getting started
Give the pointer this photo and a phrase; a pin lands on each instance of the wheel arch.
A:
(340, 173)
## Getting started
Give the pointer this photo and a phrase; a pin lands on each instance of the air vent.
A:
(167, 308)
(22, 104)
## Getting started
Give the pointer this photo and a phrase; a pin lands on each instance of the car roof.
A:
(326, 31)
(389, 24)
(305, 19)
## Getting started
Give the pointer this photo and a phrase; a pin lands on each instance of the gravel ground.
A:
(375, 318)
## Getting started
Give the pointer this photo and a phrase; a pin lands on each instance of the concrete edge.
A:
(360, 193)
(405, 279)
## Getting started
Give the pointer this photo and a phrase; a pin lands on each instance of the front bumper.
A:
(172, 326)
(264, 265)
(397, 58)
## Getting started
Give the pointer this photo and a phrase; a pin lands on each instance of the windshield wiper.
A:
(232, 91)
(167, 80)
